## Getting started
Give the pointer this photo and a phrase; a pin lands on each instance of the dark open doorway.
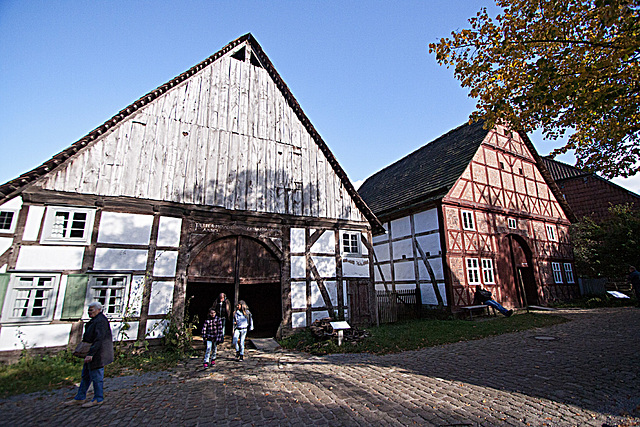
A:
(245, 269)
(202, 296)
(522, 263)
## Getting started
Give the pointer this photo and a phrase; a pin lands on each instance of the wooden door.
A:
(359, 294)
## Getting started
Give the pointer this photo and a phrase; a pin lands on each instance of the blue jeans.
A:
(497, 306)
(211, 345)
(238, 339)
(95, 376)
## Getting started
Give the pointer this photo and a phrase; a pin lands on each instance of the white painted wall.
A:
(436, 266)
(298, 267)
(386, 271)
(401, 227)
(30, 336)
(50, 258)
(319, 315)
(165, 263)
(426, 221)
(15, 203)
(430, 243)
(169, 231)
(161, 297)
(135, 295)
(297, 240)
(402, 249)
(120, 259)
(298, 295)
(382, 252)
(130, 334)
(326, 243)
(125, 228)
(326, 265)
(355, 267)
(32, 226)
(316, 296)
(404, 270)
(5, 243)
(156, 328)
(299, 320)
(429, 297)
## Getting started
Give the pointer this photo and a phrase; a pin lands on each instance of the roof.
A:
(426, 174)
(12, 188)
(560, 171)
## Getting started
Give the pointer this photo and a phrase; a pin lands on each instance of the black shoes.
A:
(241, 358)
(509, 313)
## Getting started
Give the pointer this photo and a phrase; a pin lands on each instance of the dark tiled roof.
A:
(12, 188)
(426, 174)
(560, 171)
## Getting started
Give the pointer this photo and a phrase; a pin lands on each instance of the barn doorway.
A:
(526, 289)
(201, 296)
(245, 269)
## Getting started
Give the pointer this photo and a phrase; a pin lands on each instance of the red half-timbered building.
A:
(472, 207)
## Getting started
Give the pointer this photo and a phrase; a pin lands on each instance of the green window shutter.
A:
(74, 296)
(4, 284)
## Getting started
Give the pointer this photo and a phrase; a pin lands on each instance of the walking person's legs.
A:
(84, 384)
(207, 353)
(97, 377)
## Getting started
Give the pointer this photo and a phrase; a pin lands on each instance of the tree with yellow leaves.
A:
(557, 65)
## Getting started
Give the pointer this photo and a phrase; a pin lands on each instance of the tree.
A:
(607, 249)
(557, 65)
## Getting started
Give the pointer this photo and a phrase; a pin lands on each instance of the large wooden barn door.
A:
(244, 269)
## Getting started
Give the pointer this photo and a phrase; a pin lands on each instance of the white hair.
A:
(96, 304)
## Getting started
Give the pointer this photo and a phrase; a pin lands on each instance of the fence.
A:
(398, 305)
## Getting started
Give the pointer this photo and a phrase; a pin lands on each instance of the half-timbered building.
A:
(473, 207)
(214, 182)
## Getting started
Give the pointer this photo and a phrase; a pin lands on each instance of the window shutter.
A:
(4, 284)
(74, 296)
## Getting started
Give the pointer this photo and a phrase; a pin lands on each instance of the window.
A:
(557, 274)
(351, 243)
(487, 271)
(473, 272)
(511, 222)
(8, 220)
(551, 233)
(31, 298)
(67, 225)
(108, 291)
(467, 220)
(568, 271)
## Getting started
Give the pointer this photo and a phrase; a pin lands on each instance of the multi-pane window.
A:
(473, 271)
(68, 225)
(109, 291)
(551, 233)
(557, 273)
(568, 271)
(487, 271)
(511, 222)
(6, 220)
(31, 298)
(351, 243)
(467, 220)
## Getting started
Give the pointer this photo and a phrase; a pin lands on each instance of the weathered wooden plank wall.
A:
(225, 137)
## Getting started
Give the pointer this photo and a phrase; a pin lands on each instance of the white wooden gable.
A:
(229, 135)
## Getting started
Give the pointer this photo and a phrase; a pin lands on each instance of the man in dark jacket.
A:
(98, 333)
(483, 296)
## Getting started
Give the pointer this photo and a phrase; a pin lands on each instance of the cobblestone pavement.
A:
(583, 372)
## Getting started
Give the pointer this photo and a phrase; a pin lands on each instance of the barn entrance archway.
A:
(245, 269)
(524, 279)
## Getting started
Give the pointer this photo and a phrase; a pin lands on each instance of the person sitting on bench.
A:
(483, 296)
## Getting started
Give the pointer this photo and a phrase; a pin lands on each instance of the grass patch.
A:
(33, 373)
(416, 334)
(39, 373)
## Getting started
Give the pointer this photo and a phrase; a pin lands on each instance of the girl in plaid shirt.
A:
(213, 335)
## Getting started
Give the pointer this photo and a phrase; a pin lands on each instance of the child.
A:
(212, 334)
(242, 322)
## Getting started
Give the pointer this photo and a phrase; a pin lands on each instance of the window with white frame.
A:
(67, 225)
(30, 298)
(8, 219)
(568, 271)
(473, 271)
(511, 222)
(551, 233)
(108, 291)
(351, 243)
(557, 273)
(467, 220)
(487, 271)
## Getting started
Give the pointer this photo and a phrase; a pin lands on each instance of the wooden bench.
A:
(470, 308)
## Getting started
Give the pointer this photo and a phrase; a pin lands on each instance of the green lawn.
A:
(415, 334)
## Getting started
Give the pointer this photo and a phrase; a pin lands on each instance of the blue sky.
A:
(360, 70)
